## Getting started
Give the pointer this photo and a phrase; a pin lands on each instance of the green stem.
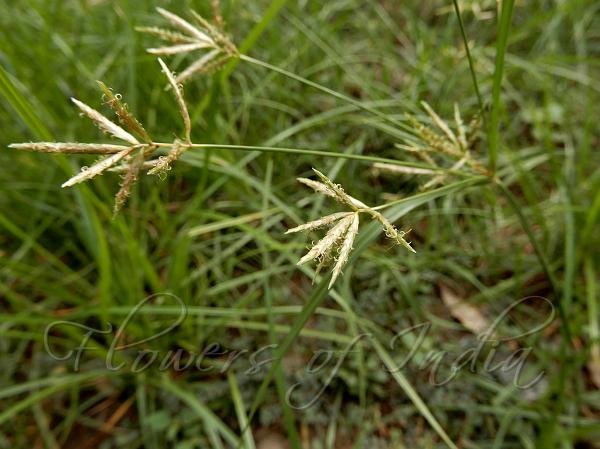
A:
(469, 58)
(331, 154)
(566, 359)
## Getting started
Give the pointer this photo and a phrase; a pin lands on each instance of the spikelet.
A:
(460, 126)
(176, 49)
(105, 124)
(201, 65)
(178, 92)
(329, 241)
(317, 186)
(321, 222)
(164, 162)
(216, 33)
(339, 192)
(167, 35)
(126, 118)
(345, 248)
(123, 168)
(69, 148)
(393, 233)
(129, 179)
(400, 169)
(450, 150)
(324, 260)
(440, 123)
(216, 7)
(473, 127)
(421, 152)
(97, 168)
(184, 25)
(434, 140)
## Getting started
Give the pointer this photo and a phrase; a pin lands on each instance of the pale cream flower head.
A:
(215, 47)
(137, 146)
(338, 241)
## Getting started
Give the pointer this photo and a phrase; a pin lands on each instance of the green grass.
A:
(324, 85)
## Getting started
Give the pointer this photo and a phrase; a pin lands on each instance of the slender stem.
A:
(328, 91)
(307, 152)
(469, 58)
(501, 42)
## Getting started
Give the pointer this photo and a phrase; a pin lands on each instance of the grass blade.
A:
(411, 393)
(240, 411)
(501, 42)
(201, 410)
(22, 107)
(255, 33)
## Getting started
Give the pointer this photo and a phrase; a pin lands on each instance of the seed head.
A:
(452, 149)
(118, 157)
(341, 236)
(329, 241)
(193, 37)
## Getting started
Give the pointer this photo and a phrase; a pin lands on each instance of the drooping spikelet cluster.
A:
(336, 246)
(215, 46)
(129, 158)
(440, 146)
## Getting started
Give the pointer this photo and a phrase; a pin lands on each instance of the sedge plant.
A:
(441, 150)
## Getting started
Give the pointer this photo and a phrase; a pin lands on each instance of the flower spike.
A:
(344, 227)
(189, 38)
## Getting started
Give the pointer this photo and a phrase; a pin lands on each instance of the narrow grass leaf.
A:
(501, 42)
